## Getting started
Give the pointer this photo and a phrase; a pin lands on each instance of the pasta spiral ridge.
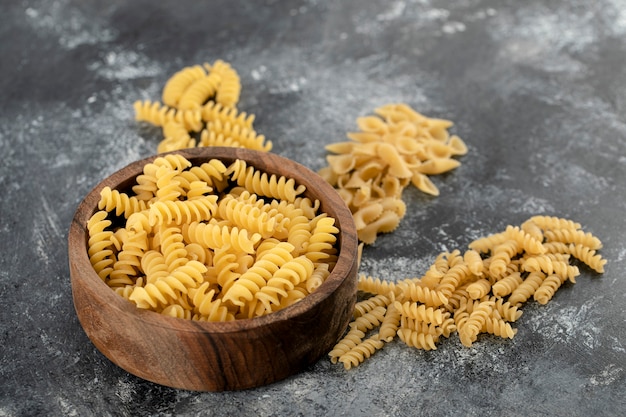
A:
(230, 87)
(267, 185)
(547, 289)
(502, 255)
(498, 327)
(322, 240)
(199, 92)
(206, 306)
(170, 242)
(573, 236)
(390, 324)
(247, 216)
(506, 285)
(156, 294)
(554, 223)
(416, 339)
(549, 263)
(256, 277)
(364, 306)
(243, 136)
(122, 203)
(215, 236)
(128, 262)
(479, 288)
(352, 338)
(185, 211)
(375, 285)
(225, 265)
(154, 266)
(413, 291)
(284, 279)
(99, 244)
(587, 256)
(369, 320)
(157, 114)
(527, 242)
(468, 332)
(453, 278)
(212, 111)
(179, 82)
(360, 352)
(527, 288)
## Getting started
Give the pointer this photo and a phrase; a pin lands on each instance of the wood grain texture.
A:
(216, 356)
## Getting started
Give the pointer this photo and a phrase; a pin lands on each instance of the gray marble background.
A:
(537, 89)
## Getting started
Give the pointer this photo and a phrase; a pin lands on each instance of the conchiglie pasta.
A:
(393, 149)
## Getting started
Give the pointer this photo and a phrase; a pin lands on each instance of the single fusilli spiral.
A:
(360, 352)
(526, 241)
(322, 240)
(498, 327)
(199, 92)
(369, 320)
(256, 277)
(375, 286)
(206, 306)
(527, 288)
(479, 288)
(421, 312)
(412, 338)
(349, 341)
(179, 82)
(122, 203)
(587, 256)
(99, 244)
(212, 111)
(390, 324)
(128, 262)
(548, 287)
(261, 183)
(214, 236)
(368, 304)
(414, 291)
(184, 211)
(506, 285)
(284, 279)
(502, 255)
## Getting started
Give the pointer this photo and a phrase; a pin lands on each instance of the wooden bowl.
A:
(216, 356)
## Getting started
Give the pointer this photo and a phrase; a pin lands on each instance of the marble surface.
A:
(537, 89)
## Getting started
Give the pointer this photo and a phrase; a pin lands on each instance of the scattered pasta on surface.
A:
(199, 109)
(478, 291)
(211, 242)
(393, 149)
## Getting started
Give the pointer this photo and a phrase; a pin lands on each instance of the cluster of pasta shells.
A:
(394, 148)
(199, 108)
(211, 242)
(480, 290)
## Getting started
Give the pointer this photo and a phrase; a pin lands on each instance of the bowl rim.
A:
(347, 239)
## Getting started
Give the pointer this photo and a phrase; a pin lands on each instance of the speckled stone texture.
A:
(537, 89)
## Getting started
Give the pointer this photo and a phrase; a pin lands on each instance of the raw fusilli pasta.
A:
(198, 245)
(458, 294)
(201, 98)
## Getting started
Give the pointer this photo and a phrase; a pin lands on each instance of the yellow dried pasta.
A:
(393, 149)
(199, 109)
(185, 251)
(456, 295)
